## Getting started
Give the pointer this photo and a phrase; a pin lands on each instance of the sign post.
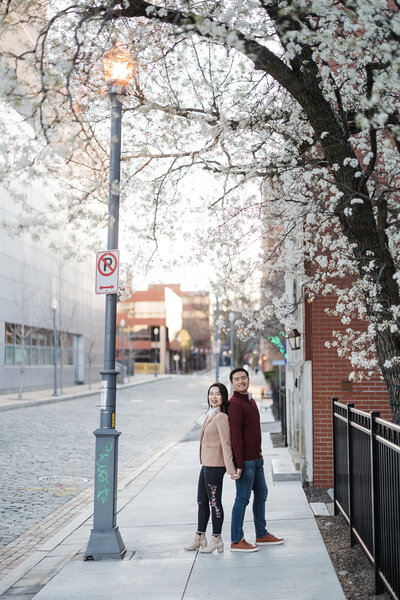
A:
(216, 339)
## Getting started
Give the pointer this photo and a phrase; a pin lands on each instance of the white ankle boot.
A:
(215, 543)
(199, 541)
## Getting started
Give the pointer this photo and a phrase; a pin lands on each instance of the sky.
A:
(177, 259)
(176, 267)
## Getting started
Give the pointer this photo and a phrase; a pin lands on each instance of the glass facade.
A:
(35, 347)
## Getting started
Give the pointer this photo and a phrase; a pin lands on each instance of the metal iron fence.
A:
(366, 460)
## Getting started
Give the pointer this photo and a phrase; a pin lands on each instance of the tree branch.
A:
(262, 58)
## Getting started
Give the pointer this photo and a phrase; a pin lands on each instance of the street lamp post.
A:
(122, 325)
(54, 305)
(105, 539)
(183, 358)
(129, 361)
(216, 340)
(155, 350)
(231, 321)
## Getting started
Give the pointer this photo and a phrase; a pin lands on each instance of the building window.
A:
(10, 355)
(148, 310)
(37, 345)
(138, 332)
(145, 356)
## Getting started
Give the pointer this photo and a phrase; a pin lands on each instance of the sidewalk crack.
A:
(189, 576)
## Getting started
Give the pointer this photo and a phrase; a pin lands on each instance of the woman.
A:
(216, 458)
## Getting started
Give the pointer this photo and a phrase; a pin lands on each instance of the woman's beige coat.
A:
(215, 443)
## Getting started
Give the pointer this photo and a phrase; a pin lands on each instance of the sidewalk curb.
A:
(57, 399)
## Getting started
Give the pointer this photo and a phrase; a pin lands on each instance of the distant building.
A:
(32, 275)
(153, 318)
(164, 325)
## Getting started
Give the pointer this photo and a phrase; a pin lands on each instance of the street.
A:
(56, 441)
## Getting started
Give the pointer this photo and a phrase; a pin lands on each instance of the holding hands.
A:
(237, 474)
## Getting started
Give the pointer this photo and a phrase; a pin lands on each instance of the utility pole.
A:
(105, 539)
(217, 341)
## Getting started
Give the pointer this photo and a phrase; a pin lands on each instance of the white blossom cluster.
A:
(271, 126)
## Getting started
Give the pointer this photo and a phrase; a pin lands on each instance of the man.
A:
(244, 421)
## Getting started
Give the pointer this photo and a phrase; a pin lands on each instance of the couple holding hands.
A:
(230, 441)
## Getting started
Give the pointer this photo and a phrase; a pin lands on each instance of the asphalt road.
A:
(57, 440)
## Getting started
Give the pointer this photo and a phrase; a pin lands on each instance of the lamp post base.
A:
(105, 544)
(105, 539)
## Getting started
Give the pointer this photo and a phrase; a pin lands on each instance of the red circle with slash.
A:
(107, 260)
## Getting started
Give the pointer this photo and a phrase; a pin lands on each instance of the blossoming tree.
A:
(290, 111)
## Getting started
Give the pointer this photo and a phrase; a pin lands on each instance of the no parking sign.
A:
(107, 272)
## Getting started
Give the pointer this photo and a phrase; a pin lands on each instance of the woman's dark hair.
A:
(224, 393)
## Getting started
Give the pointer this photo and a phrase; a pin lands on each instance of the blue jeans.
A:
(251, 479)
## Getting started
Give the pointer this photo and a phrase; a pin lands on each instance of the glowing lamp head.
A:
(118, 66)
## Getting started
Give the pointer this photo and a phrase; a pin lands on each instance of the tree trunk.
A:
(361, 228)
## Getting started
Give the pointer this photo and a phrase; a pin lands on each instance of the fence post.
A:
(379, 587)
(282, 393)
(334, 451)
(349, 406)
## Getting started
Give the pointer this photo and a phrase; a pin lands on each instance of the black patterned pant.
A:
(209, 492)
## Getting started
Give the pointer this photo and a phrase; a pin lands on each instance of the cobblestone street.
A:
(48, 451)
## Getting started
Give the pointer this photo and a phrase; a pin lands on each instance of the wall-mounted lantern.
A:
(294, 338)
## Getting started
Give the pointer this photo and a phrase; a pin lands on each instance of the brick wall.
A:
(328, 373)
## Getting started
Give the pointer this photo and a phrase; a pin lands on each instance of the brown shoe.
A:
(269, 540)
(243, 546)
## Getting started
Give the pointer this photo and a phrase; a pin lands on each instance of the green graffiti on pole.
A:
(102, 470)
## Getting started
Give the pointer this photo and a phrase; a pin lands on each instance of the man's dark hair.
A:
(231, 374)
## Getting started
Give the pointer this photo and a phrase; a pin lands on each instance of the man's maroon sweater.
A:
(244, 421)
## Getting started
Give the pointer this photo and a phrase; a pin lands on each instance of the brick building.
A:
(164, 325)
(315, 374)
(153, 319)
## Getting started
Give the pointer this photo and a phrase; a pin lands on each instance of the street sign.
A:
(107, 272)
(278, 363)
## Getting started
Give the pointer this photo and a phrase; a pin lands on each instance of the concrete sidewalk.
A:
(157, 518)
(45, 396)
